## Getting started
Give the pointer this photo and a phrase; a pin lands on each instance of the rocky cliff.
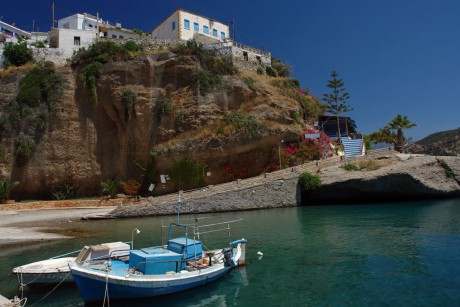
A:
(444, 143)
(171, 122)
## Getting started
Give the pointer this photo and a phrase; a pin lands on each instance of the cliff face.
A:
(88, 142)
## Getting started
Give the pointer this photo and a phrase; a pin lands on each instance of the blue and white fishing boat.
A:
(178, 265)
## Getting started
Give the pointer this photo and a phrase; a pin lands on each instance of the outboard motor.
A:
(228, 256)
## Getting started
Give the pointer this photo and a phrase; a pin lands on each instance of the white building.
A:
(94, 23)
(82, 30)
(185, 25)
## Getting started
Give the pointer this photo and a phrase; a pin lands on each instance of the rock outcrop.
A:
(402, 177)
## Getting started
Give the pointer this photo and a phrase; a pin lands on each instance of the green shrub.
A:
(66, 190)
(243, 123)
(6, 186)
(309, 181)
(131, 46)
(42, 121)
(283, 70)
(89, 76)
(102, 52)
(163, 106)
(41, 85)
(129, 99)
(208, 58)
(17, 54)
(250, 83)
(110, 188)
(350, 167)
(270, 71)
(3, 123)
(448, 171)
(187, 171)
(260, 71)
(39, 44)
(203, 80)
(25, 148)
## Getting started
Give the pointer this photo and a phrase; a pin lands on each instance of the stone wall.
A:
(54, 55)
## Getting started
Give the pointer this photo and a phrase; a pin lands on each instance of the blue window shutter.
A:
(205, 29)
(187, 24)
(196, 27)
(222, 35)
(173, 25)
(214, 32)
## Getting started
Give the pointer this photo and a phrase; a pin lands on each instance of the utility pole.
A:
(52, 11)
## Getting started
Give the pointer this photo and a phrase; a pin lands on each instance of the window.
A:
(196, 27)
(187, 24)
(214, 32)
(246, 56)
(222, 35)
(114, 36)
(173, 25)
(205, 29)
(76, 40)
(121, 36)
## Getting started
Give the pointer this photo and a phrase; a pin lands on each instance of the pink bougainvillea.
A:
(303, 150)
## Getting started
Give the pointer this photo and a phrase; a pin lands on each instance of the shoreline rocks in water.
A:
(401, 177)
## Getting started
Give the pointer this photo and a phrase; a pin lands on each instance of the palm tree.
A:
(399, 123)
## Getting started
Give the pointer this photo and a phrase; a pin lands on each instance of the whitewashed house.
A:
(185, 25)
(83, 30)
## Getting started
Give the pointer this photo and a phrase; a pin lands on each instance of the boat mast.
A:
(178, 210)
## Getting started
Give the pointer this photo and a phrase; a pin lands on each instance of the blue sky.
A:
(395, 56)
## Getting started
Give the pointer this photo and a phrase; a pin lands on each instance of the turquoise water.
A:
(404, 254)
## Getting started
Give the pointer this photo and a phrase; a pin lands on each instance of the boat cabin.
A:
(103, 251)
(173, 258)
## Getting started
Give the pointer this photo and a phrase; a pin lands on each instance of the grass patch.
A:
(374, 164)
(350, 167)
(448, 171)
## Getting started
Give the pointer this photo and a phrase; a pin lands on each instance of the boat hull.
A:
(92, 285)
(50, 271)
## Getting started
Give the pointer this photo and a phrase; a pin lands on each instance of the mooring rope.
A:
(106, 292)
(46, 295)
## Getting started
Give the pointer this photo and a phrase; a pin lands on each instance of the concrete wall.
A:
(165, 31)
(187, 34)
(78, 22)
(66, 40)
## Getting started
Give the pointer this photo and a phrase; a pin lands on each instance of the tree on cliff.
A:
(336, 102)
(392, 133)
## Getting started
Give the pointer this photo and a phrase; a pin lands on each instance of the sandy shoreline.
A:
(27, 226)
